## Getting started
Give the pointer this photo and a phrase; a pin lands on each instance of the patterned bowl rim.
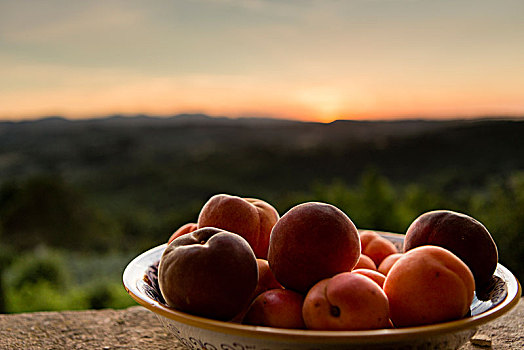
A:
(133, 279)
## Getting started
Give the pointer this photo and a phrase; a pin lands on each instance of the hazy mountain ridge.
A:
(270, 129)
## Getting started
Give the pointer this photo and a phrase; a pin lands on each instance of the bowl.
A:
(196, 332)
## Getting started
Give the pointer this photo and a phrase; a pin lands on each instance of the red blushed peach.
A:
(464, 236)
(388, 262)
(427, 285)
(208, 272)
(347, 301)
(280, 308)
(182, 230)
(251, 218)
(378, 248)
(373, 274)
(312, 241)
(266, 278)
(365, 262)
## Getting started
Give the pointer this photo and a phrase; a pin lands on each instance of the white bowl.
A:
(196, 332)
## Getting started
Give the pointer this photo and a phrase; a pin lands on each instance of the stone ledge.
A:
(138, 328)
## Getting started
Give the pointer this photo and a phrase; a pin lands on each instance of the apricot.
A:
(266, 278)
(378, 248)
(311, 242)
(376, 276)
(251, 218)
(346, 301)
(466, 237)
(266, 281)
(428, 284)
(365, 262)
(388, 262)
(367, 236)
(280, 308)
(208, 272)
(182, 230)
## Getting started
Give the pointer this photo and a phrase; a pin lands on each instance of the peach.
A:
(377, 248)
(208, 272)
(428, 284)
(373, 274)
(251, 218)
(365, 262)
(266, 278)
(311, 242)
(464, 236)
(182, 230)
(280, 308)
(388, 262)
(346, 301)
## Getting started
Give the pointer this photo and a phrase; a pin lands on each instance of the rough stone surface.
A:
(138, 328)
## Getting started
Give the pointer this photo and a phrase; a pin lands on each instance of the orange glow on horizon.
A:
(245, 98)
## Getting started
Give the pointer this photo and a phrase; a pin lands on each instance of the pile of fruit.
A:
(311, 268)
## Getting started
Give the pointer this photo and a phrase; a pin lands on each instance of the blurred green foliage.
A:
(46, 210)
(51, 279)
(41, 265)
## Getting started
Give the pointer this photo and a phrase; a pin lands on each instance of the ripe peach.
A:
(428, 284)
(310, 242)
(189, 227)
(365, 262)
(266, 278)
(388, 262)
(377, 248)
(464, 236)
(208, 272)
(276, 308)
(373, 274)
(347, 301)
(251, 218)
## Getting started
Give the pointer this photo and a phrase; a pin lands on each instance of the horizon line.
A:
(478, 117)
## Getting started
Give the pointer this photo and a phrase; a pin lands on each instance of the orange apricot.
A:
(367, 236)
(427, 285)
(373, 274)
(365, 262)
(182, 230)
(378, 248)
(388, 262)
(346, 301)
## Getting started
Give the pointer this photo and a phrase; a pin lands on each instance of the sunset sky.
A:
(298, 59)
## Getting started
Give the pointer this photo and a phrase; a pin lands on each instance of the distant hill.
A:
(192, 129)
(148, 158)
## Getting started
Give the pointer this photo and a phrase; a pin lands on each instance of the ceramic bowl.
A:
(201, 333)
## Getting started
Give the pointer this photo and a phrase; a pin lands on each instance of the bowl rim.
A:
(134, 275)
